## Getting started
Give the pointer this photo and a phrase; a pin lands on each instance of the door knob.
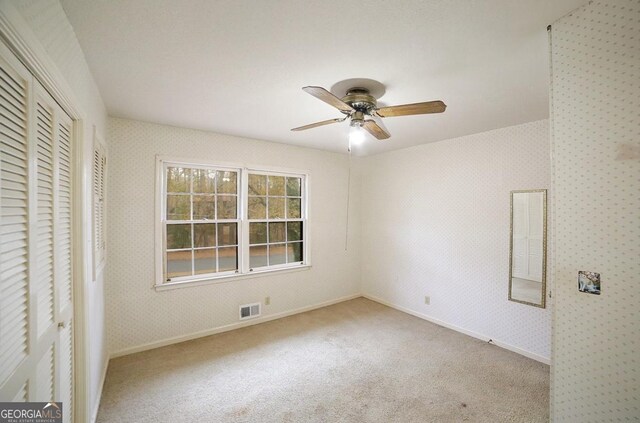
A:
(61, 325)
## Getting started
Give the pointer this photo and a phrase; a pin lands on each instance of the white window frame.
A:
(244, 271)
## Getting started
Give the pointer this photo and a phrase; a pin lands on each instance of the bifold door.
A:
(36, 313)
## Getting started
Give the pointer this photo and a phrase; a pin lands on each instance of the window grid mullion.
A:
(244, 248)
(193, 255)
(191, 193)
(215, 203)
(192, 227)
(217, 249)
(267, 221)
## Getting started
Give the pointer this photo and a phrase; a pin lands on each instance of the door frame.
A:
(19, 38)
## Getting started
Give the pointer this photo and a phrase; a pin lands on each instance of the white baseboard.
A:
(267, 318)
(103, 377)
(477, 335)
(226, 328)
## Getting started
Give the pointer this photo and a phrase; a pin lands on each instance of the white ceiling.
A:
(237, 67)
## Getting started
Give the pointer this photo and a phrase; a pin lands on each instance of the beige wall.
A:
(137, 315)
(596, 150)
(435, 222)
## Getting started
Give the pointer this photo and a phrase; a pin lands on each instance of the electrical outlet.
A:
(427, 299)
(267, 300)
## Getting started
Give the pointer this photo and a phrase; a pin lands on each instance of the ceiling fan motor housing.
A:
(363, 102)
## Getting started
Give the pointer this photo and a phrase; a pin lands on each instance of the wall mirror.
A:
(528, 247)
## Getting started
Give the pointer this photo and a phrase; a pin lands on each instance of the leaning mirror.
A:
(528, 248)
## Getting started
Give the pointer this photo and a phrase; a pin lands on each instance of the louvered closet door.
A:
(64, 364)
(36, 335)
(15, 270)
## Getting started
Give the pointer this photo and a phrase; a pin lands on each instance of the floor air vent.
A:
(249, 311)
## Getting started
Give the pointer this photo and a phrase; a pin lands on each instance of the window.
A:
(201, 224)
(275, 220)
(218, 221)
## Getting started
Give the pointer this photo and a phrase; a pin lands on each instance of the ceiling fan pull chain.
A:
(346, 234)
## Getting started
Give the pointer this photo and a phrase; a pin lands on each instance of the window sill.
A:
(230, 278)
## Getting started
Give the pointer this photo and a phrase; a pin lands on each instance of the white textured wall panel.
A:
(435, 222)
(139, 315)
(596, 146)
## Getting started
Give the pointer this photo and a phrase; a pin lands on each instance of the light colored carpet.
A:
(357, 361)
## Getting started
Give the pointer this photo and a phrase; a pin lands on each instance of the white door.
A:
(535, 236)
(36, 325)
(528, 216)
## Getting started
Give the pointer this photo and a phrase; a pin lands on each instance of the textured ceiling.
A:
(236, 67)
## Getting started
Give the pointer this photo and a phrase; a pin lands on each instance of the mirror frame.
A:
(544, 247)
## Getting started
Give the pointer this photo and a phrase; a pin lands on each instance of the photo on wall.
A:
(589, 282)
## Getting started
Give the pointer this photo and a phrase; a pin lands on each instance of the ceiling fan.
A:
(360, 107)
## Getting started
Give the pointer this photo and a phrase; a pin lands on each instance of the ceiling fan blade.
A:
(412, 109)
(327, 97)
(315, 125)
(378, 131)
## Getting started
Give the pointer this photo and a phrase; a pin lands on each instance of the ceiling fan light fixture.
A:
(356, 135)
(357, 119)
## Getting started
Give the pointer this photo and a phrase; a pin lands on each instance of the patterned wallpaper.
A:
(136, 313)
(596, 149)
(435, 222)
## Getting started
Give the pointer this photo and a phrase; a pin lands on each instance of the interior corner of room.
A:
(237, 212)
